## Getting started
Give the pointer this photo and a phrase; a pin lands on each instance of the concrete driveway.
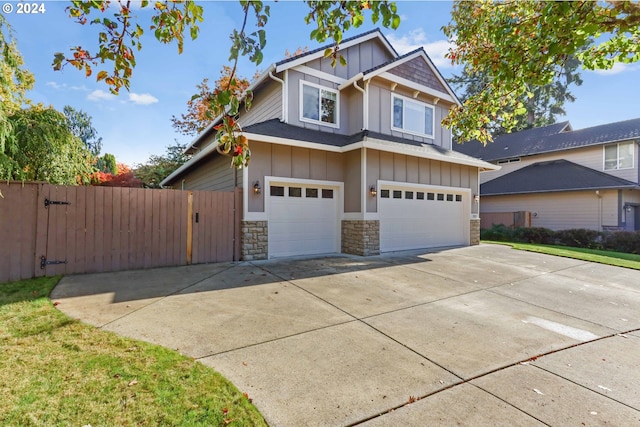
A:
(482, 335)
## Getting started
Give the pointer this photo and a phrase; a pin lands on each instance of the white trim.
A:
(416, 86)
(363, 181)
(319, 74)
(382, 72)
(415, 101)
(351, 81)
(320, 53)
(336, 185)
(291, 142)
(320, 88)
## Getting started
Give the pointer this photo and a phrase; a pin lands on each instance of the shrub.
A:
(497, 233)
(623, 241)
(536, 235)
(580, 238)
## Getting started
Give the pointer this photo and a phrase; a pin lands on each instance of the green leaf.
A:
(328, 52)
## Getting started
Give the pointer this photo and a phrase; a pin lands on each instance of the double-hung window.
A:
(318, 104)
(618, 156)
(412, 116)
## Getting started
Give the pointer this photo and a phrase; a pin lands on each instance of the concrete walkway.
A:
(483, 335)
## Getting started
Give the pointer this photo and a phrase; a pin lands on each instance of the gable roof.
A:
(407, 57)
(545, 140)
(552, 176)
(344, 44)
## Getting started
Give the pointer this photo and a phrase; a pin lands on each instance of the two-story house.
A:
(346, 159)
(563, 178)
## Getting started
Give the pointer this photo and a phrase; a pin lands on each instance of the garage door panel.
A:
(421, 223)
(303, 225)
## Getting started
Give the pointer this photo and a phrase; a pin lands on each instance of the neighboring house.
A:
(348, 159)
(564, 178)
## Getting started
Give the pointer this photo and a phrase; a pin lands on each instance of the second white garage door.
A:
(416, 218)
(303, 219)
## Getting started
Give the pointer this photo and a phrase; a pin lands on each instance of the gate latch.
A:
(44, 262)
(48, 202)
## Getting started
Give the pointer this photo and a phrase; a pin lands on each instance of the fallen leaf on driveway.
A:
(538, 391)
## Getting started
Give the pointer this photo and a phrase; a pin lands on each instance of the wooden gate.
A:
(49, 230)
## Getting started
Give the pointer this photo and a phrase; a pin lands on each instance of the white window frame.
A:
(320, 88)
(617, 145)
(415, 101)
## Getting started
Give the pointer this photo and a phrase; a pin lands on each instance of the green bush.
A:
(623, 241)
(618, 241)
(580, 238)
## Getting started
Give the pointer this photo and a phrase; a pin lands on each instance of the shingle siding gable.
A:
(418, 71)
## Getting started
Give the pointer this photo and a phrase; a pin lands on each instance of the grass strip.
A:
(56, 371)
(618, 259)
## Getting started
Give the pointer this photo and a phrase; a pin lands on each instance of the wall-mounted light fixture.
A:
(256, 188)
(627, 208)
(373, 191)
(476, 198)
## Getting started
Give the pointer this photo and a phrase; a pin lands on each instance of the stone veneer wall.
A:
(255, 240)
(475, 231)
(360, 237)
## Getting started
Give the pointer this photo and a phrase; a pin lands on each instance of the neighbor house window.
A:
(412, 116)
(318, 104)
(618, 156)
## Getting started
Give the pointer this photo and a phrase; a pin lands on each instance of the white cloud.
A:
(416, 39)
(617, 68)
(65, 86)
(142, 99)
(100, 95)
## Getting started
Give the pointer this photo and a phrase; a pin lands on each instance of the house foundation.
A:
(361, 237)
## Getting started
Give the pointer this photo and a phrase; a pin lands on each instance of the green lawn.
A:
(56, 371)
(619, 259)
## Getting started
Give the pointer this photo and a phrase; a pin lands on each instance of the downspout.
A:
(285, 111)
(365, 109)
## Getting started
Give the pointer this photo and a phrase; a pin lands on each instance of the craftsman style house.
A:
(348, 159)
(563, 178)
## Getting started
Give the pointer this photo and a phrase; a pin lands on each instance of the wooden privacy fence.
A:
(48, 230)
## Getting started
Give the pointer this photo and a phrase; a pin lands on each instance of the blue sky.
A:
(137, 124)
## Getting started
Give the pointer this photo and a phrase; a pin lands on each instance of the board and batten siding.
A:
(290, 162)
(560, 211)
(401, 168)
(266, 105)
(214, 173)
(380, 104)
(360, 57)
(591, 157)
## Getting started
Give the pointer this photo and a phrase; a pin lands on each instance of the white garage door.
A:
(303, 219)
(422, 218)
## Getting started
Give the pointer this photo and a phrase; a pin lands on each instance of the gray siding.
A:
(380, 114)
(398, 167)
(591, 157)
(267, 105)
(361, 57)
(560, 211)
(290, 162)
(215, 174)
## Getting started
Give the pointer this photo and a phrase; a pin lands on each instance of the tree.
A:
(519, 45)
(120, 38)
(15, 81)
(158, 167)
(542, 108)
(46, 148)
(107, 164)
(199, 113)
(80, 125)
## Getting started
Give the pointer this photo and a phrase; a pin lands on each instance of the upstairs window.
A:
(412, 116)
(318, 104)
(618, 156)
